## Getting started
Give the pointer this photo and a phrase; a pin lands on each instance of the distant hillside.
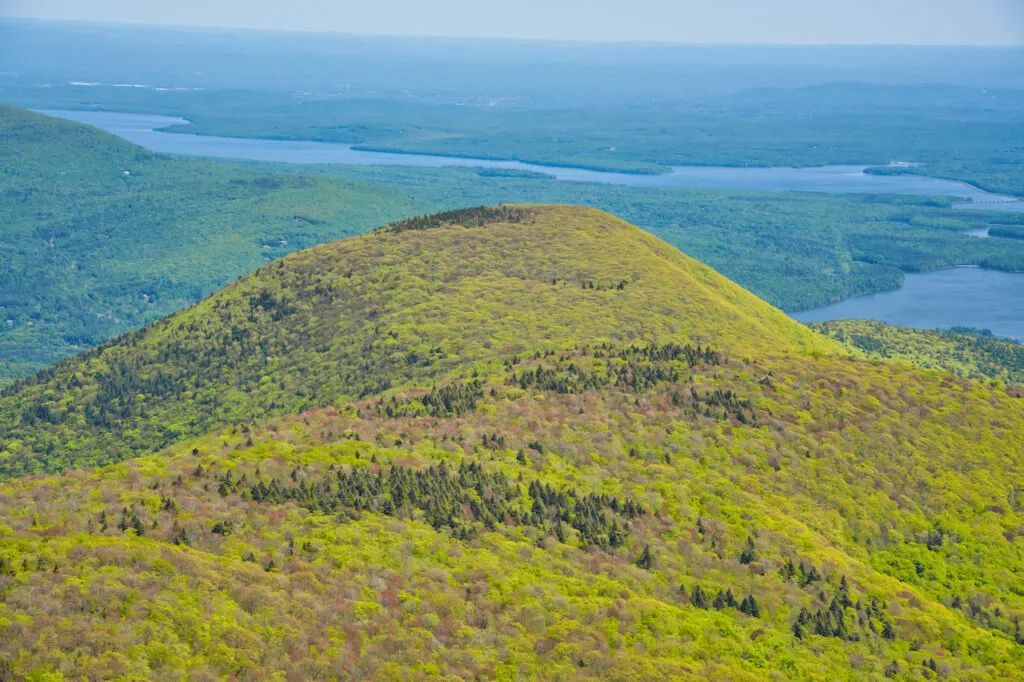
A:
(90, 253)
(358, 316)
(101, 236)
(976, 356)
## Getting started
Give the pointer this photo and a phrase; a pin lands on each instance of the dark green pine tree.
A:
(887, 631)
(645, 560)
(749, 553)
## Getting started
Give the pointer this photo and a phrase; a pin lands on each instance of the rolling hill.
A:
(521, 442)
(102, 236)
(357, 316)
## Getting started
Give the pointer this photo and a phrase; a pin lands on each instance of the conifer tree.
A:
(749, 553)
(699, 598)
(645, 560)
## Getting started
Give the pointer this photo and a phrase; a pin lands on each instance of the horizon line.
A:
(506, 39)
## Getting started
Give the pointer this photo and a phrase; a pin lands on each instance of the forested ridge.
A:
(795, 250)
(358, 316)
(522, 442)
(639, 537)
(101, 236)
(271, 421)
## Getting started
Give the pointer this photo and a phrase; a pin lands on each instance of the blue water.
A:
(987, 299)
(144, 130)
(960, 296)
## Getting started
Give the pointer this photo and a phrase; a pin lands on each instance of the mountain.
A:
(521, 442)
(101, 236)
(975, 354)
(358, 316)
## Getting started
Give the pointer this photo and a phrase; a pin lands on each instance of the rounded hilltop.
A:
(560, 274)
(413, 303)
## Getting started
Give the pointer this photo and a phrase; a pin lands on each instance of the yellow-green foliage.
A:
(356, 316)
(872, 510)
(903, 482)
(977, 356)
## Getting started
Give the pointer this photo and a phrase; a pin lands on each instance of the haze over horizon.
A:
(897, 22)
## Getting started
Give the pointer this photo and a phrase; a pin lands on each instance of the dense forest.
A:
(956, 132)
(966, 352)
(795, 250)
(666, 479)
(110, 252)
(1007, 231)
(330, 324)
(101, 236)
(264, 421)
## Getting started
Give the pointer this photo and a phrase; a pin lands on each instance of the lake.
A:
(969, 296)
(959, 296)
(144, 130)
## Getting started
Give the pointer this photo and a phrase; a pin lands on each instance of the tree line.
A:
(461, 499)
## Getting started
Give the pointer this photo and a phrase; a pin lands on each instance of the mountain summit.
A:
(412, 303)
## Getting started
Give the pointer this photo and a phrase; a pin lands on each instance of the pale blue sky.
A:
(913, 22)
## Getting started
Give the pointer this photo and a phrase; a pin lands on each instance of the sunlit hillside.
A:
(523, 442)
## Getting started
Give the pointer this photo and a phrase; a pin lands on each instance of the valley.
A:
(155, 133)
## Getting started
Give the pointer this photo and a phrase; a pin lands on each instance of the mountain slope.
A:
(89, 253)
(527, 442)
(101, 236)
(354, 317)
(610, 513)
(973, 355)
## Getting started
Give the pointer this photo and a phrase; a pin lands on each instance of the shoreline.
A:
(176, 126)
